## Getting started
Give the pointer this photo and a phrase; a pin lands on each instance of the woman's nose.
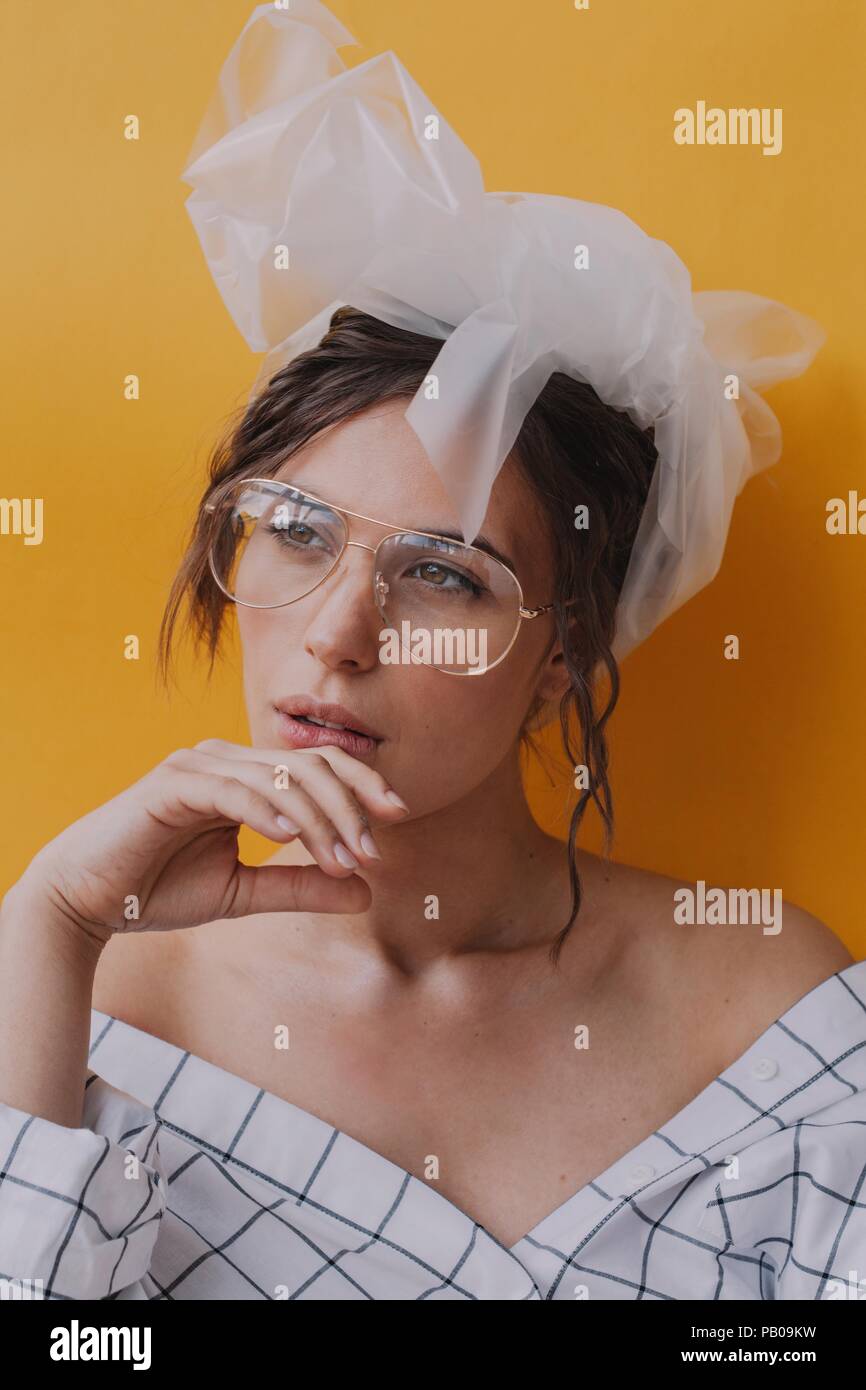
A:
(344, 623)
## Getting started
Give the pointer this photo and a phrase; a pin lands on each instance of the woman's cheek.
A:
(450, 752)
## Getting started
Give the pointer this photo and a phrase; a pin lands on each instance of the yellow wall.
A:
(747, 773)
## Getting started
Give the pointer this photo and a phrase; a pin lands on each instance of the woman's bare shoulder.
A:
(735, 962)
(138, 977)
(162, 981)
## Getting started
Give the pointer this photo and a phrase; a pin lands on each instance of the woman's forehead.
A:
(375, 464)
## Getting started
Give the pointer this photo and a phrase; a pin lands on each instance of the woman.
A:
(426, 1050)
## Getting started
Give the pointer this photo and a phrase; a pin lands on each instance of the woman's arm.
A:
(163, 855)
(47, 969)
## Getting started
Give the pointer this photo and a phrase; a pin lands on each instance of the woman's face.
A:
(439, 736)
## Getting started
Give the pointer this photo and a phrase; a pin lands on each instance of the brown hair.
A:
(572, 449)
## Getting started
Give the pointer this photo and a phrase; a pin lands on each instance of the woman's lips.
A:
(298, 734)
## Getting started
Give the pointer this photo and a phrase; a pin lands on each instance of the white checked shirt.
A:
(755, 1190)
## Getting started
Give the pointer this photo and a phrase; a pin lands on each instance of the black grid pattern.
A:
(188, 1182)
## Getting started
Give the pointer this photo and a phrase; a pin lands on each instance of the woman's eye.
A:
(440, 577)
(295, 533)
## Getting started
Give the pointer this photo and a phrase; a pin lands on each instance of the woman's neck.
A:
(477, 876)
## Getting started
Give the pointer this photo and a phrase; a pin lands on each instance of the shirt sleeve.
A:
(826, 1256)
(80, 1209)
(790, 1224)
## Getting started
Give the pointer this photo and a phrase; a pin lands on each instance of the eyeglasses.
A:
(442, 603)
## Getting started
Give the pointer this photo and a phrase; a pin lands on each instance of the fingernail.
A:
(287, 825)
(392, 796)
(345, 857)
(369, 846)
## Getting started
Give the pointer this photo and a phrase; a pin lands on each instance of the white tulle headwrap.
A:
(337, 165)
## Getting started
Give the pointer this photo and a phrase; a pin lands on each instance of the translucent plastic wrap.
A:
(380, 205)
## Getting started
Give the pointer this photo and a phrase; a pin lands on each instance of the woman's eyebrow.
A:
(480, 543)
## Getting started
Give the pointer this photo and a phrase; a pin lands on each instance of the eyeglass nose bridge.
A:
(381, 587)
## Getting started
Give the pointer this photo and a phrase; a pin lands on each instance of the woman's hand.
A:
(163, 854)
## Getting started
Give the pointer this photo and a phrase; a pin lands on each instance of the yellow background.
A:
(746, 773)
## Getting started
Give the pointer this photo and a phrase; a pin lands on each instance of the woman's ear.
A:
(553, 681)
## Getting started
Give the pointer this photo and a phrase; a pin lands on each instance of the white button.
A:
(763, 1068)
(641, 1172)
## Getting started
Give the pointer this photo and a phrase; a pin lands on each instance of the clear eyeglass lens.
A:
(444, 604)
(275, 544)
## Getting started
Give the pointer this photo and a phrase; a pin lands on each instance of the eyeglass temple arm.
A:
(545, 608)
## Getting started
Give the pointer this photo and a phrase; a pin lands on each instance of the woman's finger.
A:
(188, 797)
(296, 888)
(368, 784)
(327, 790)
(318, 809)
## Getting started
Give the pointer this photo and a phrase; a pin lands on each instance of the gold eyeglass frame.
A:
(379, 581)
